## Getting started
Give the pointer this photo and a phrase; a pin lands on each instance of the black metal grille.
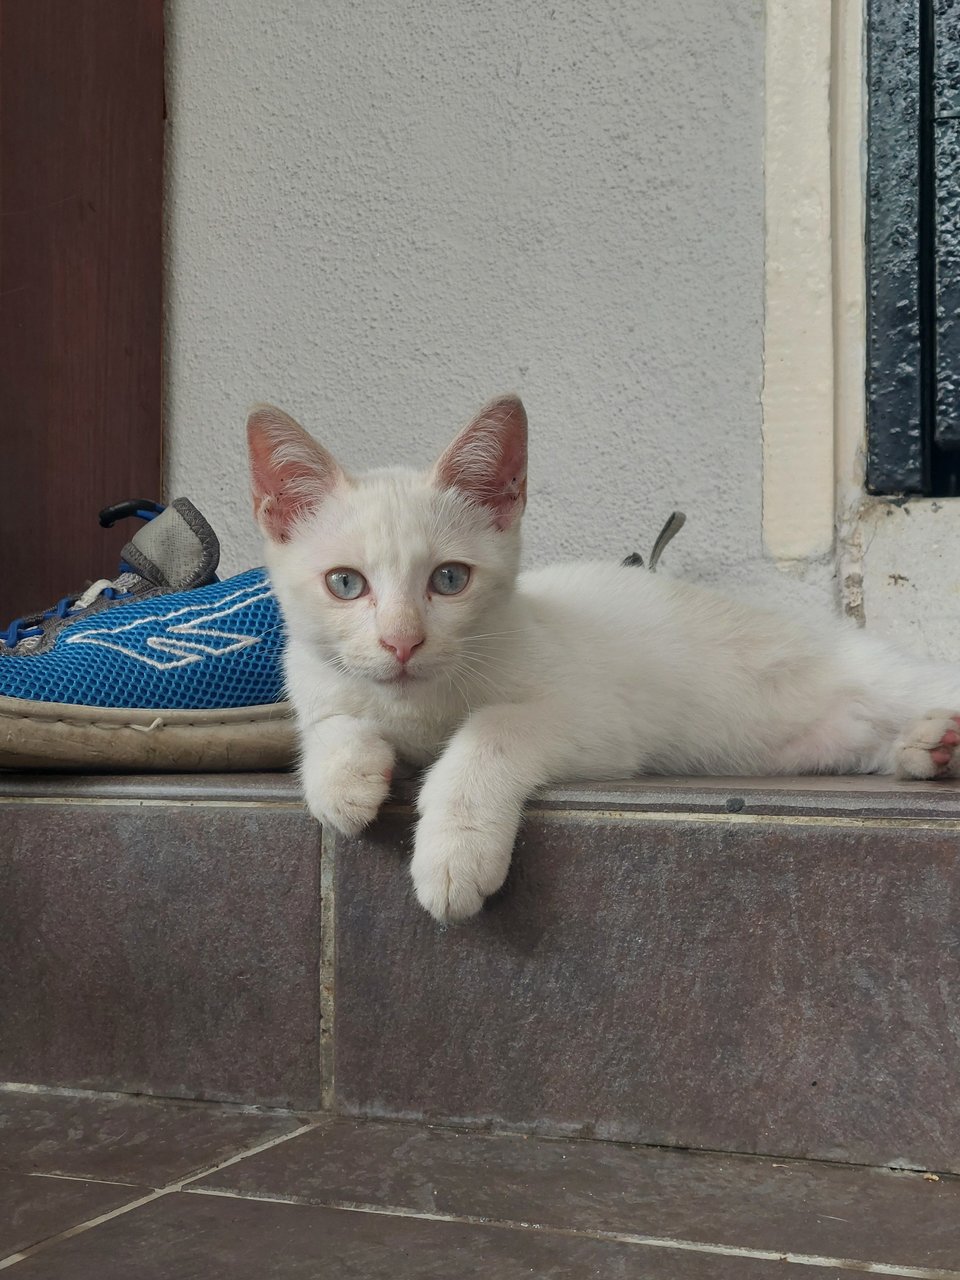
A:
(913, 247)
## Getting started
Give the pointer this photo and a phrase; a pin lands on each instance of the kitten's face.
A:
(393, 575)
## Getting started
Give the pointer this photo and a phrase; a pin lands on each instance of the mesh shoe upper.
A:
(165, 635)
(215, 646)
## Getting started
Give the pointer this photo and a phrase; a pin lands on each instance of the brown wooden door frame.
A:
(81, 272)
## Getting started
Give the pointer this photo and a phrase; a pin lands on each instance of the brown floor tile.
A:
(33, 1208)
(170, 949)
(826, 1210)
(764, 985)
(148, 1143)
(197, 1237)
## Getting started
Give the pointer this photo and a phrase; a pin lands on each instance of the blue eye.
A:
(346, 584)
(450, 579)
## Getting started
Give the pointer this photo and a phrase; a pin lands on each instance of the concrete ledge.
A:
(866, 796)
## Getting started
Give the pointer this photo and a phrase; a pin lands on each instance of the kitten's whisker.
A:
(455, 684)
(494, 635)
(480, 678)
(483, 660)
(485, 654)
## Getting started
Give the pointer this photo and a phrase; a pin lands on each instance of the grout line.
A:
(328, 866)
(485, 1127)
(158, 1194)
(80, 1228)
(883, 822)
(750, 819)
(250, 1151)
(79, 1177)
(488, 1128)
(612, 1237)
(151, 1099)
(153, 802)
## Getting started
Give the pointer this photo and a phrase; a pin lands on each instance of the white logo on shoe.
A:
(192, 639)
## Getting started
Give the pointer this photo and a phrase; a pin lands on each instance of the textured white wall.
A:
(381, 212)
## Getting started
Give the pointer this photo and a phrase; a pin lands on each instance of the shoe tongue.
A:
(176, 550)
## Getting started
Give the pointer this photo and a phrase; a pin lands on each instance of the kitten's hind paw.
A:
(931, 747)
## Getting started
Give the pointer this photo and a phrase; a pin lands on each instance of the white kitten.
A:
(411, 636)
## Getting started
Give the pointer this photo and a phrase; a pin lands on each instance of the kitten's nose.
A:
(401, 646)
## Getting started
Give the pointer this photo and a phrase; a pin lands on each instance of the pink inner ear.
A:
(488, 461)
(290, 473)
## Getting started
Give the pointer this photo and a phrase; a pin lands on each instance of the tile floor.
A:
(98, 1188)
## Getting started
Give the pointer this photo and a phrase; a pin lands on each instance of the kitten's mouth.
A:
(401, 677)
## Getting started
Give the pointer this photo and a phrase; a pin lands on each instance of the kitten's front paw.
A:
(931, 747)
(455, 867)
(347, 786)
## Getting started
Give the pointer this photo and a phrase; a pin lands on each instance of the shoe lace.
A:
(32, 626)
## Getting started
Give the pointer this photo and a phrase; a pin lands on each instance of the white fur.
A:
(577, 671)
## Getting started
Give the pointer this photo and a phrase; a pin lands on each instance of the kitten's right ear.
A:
(290, 473)
(488, 461)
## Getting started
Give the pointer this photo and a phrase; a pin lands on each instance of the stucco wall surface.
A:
(382, 213)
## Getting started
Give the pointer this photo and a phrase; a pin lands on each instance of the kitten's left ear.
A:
(488, 461)
(290, 473)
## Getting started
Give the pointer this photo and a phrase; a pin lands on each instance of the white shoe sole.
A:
(55, 735)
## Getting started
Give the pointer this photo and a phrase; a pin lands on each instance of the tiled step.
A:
(754, 967)
(102, 1189)
(766, 967)
(160, 937)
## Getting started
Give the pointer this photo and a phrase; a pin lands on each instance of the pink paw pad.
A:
(931, 748)
(942, 753)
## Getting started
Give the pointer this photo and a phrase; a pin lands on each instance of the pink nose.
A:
(401, 646)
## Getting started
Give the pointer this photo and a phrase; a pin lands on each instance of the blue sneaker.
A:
(163, 668)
